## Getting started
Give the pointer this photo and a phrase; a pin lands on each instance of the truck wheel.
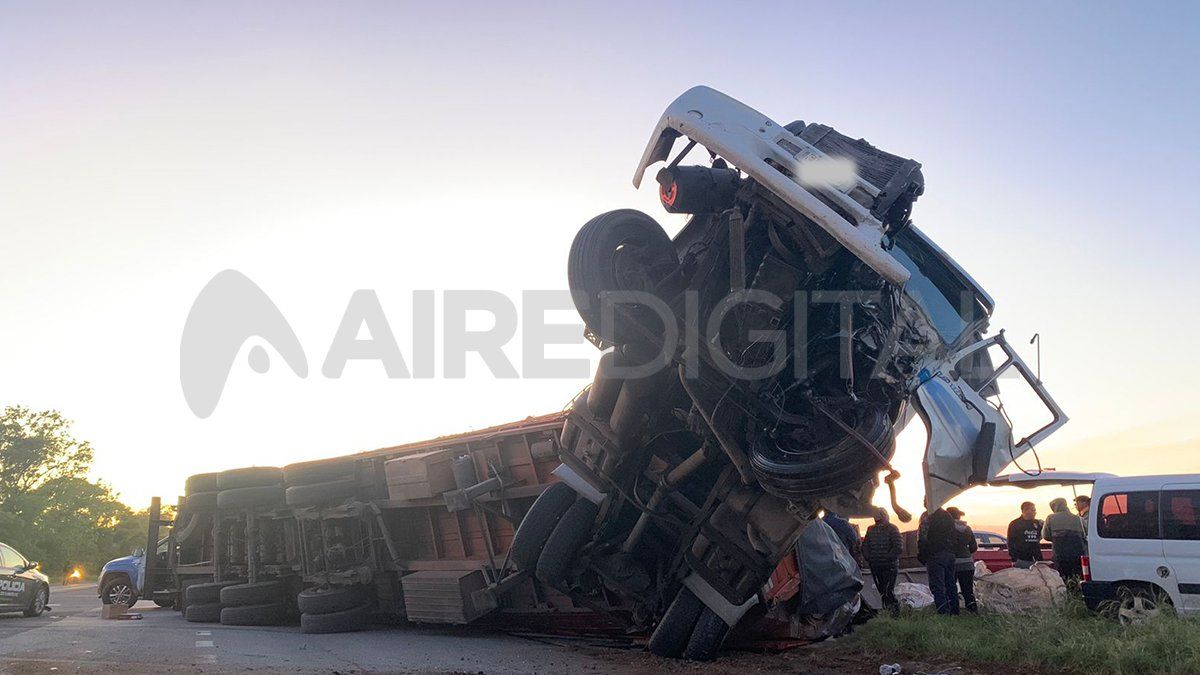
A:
(671, 635)
(209, 612)
(192, 525)
(570, 534)
(38, 604)
(165, 604)
(273, 614)
(245, 595)
(344, 621)
(201, 482)
(538, 524)
(201, 502)
(320, 471)
(322, 494)
(118, 590)
(250, 497)
(707, 636)
(206, 594)
(250, 476)
(623, 250)
(332, 599)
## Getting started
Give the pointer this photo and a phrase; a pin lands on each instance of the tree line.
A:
(49, 510)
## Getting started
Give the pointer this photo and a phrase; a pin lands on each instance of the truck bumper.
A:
(1096, 593)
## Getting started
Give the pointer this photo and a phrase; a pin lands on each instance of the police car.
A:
(22, 587)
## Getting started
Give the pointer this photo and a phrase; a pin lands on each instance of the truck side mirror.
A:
(139, 552)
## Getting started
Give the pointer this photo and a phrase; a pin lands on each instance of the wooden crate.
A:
(420, 476)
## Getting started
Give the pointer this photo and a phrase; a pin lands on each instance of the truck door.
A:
(1181, 539)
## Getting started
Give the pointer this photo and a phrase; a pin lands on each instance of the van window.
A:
(1128, 515)
(1180, 511)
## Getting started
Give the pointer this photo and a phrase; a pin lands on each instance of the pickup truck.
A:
(121, 579)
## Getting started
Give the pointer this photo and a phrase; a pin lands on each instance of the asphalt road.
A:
(73, 638)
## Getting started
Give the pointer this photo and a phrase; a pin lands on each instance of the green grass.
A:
(1066, 639)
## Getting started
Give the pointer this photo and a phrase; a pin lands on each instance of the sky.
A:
(323, 148)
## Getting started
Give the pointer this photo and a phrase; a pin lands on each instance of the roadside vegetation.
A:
(1065, 639)
(49, 510)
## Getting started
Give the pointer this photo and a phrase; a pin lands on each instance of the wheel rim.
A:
(120, 594)
(1137, 609)
(39, 602)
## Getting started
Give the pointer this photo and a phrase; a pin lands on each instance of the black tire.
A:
(201, 482)
(840, 464)
(261, 593)
(165, 604)
(671, 635)
(538, 524)
(707, 637)
(322, 494)
(208, 612)
(250, 476)
(205, 594)
(192, 525)
(345, 621)
(261, 496)
(118, 590)
(201, 502)
(320, 471)
(37, 604)
(273, 614)
(623, 250)
(332, 599)
(573, 530)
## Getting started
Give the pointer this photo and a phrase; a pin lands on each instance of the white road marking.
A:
(204, 632)
(204, 643)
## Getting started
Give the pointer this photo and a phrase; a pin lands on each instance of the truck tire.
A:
(250, 497)
(208, 612)
(344, 621)
(118, 590)
(538, 524)
(250, 476)
(707, 637)
(671, 635)
(201, 502)
(272, 614)
(165, 604)
(206, 594)
(573, 530)
(320, 471)
(201, 482)
(245, 595)
(192, 525)
(322, 494)
(332, 599)
(623, 250)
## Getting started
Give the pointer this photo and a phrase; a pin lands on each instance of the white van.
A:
(1143, 540)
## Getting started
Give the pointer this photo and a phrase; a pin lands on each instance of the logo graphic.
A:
(230, 310)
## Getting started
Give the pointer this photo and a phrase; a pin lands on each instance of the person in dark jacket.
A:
(964, 560)
(1025, 537)
(881, 548)
(845, 531)
(936, 549)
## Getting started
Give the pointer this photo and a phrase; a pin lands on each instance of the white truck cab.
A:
(1143, 535)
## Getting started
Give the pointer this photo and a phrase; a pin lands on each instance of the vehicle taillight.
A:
(1086, 564)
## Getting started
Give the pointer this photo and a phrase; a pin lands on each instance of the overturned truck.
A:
(758, 367)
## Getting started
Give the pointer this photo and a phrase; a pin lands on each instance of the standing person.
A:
(1083, 506)
(964, 562)
(936, 549)
(1064, 530)
(882, 547)
(1025, 537)
(845, 531)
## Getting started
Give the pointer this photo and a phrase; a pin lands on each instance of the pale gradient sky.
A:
(325, 147)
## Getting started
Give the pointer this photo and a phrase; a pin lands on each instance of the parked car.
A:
(1143, 537)
(22, 587)
(121, 578)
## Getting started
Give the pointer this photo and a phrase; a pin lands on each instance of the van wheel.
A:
(671, 634)
(538, 524)
(574, 529)
(1139, 605)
